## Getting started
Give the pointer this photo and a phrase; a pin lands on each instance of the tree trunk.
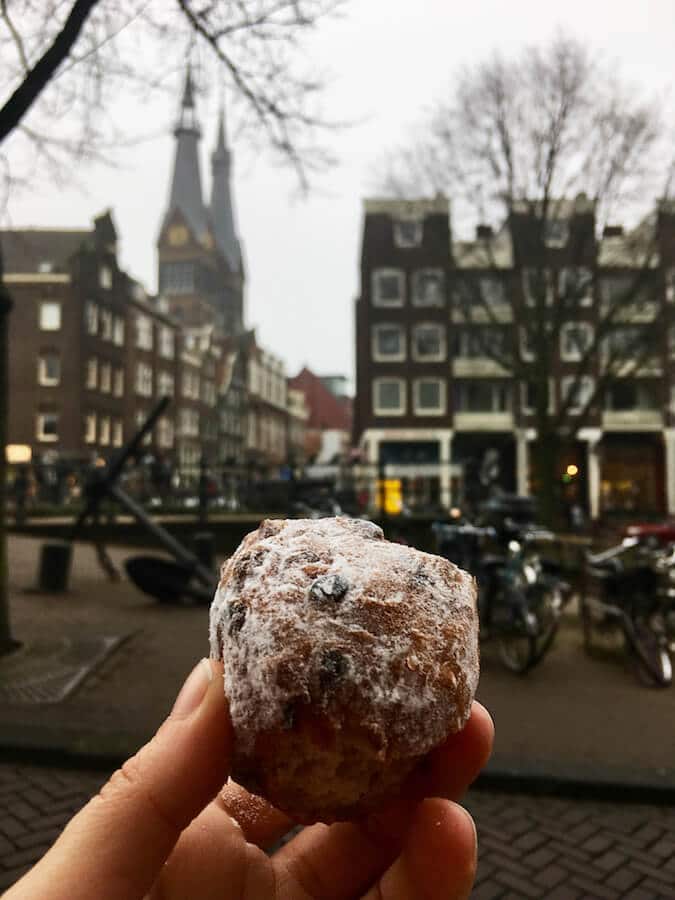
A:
(546, 462)
(7, 643)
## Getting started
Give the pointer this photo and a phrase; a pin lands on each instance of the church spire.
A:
(186, 183)
(222, 206)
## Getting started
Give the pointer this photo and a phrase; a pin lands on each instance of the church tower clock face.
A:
(178, 235)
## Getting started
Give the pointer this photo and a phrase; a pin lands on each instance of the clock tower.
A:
(200, 261)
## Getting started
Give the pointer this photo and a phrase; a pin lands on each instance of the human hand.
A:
(154, 831)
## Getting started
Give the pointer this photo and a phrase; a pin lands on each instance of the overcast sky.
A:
(389, 58)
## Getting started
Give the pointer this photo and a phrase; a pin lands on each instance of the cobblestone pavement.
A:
(530, 846)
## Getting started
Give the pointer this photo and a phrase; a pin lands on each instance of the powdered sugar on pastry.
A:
(326, 615)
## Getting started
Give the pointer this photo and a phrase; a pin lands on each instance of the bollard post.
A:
(54, 572)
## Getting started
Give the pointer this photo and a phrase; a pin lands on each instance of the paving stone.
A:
(551, 876)
(488, 890)
(624, 879)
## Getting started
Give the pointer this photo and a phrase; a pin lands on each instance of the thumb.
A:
(116, 845)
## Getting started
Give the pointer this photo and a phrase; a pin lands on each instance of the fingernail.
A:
(193, 691)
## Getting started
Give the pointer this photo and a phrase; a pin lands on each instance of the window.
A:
(189, 422)
(388, 287)
(105, 277)
(105, 378)
(118, 331)
(92, 373)
(429, 396)
(428, 342)
(49, 369)
(576, 339)
(91, 317)
(407, 232)
(624, 395)
(530, 395)
(165, 384)
(627, 293)
(575, 286)
(577, 392)
(482, 395)
(118, 383)
(47, 427)
(492, 291)
(556, 232)
(90, 428)
(144, 332)
(537, 286)
(526, 344)
(118, 433)
(104, 431)
(165, 432)
(479, 343)
(50, 316)
(177, 278)
(190, 385)
(144, 380)
(388, 343)
(428, 287)
(389, 396)
(166, 342)
(472, 294)
(106, 325)
(625, 343)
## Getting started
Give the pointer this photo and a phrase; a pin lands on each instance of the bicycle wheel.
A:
(547, 613)
(517, 642)
(652, 659)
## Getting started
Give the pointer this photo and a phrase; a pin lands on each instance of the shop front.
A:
(632, 469)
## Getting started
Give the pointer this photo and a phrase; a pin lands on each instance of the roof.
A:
(34, 249)
(497, 252)
(406, 209)
(326, 411)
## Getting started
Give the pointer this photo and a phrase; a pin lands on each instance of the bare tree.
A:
(65, 62)
(543, 151)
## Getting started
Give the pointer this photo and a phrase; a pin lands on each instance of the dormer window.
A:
(407, 233)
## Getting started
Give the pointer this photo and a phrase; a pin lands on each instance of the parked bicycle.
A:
(520, 596)
(629, 598)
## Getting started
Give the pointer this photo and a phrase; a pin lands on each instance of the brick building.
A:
(68, 339)
(431, 403)
(329, 423)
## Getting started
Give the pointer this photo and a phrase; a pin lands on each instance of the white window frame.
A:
(166, 342)
(377, 354)
(401, 410)
(387, 272)
(39, 428)
(91, 317)
(90, 428)
(117, 433)
(442, 397)
(56, 305)
(442, 353)
(577, 354)
(586, 386)
(404, 242)
(557, 241)
(43, 379)
(166, 384)
(91, 380)
(525, 354)
(586, 299)
(144, 335)
(416, 276)
(529, 410)
(118, 331)
(104, 431)
(143, 380)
